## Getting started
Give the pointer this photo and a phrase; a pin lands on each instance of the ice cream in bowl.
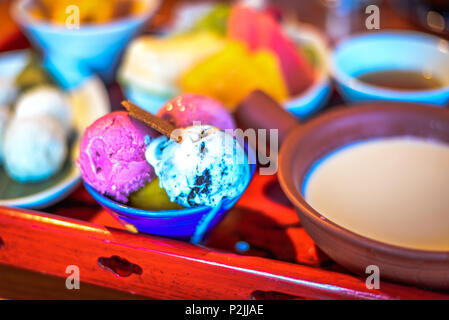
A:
(160, 177)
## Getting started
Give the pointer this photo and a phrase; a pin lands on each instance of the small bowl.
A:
(75, 54)
(308, 144)
(383, 51)
(189, 224)
(302, 105)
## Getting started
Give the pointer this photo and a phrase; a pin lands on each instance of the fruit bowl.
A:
(189, 224)
(303, 105)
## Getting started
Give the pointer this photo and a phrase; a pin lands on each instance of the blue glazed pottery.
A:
(190, 224)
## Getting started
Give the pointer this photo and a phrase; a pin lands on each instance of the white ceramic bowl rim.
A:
(20, 13)
(305, 32)
(358, 85)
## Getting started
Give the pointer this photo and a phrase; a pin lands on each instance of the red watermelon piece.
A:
(259, 30)
(241, 25)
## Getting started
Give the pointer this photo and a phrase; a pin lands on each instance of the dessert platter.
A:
(175, 200)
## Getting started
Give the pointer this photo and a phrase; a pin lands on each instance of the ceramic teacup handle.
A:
(259, 111)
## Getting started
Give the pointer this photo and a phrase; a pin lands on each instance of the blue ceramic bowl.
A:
(191, 224)
(73, 54)
(383, 51)
(148, 101)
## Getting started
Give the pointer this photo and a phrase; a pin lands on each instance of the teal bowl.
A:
(391, 50)
(72, 54)
(188, 224)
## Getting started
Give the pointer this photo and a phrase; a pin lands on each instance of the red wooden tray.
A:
(282, 262)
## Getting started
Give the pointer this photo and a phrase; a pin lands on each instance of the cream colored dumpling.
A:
(154, 64)
(4, 118)
(34, 148)
(8, 91)
(45, 101)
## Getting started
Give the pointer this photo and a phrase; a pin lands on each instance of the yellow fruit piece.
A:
(104, 12)
(37, 14)
(139, 6)
(90, 11)
(59, 12)
(230, 75)
(152, 197)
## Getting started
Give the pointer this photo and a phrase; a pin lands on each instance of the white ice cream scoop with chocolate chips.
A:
(205, 166)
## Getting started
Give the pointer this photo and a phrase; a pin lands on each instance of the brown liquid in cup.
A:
(401, 80)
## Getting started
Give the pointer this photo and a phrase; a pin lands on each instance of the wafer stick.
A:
(162, 126)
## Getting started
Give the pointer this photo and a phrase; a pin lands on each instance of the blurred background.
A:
(334, 17)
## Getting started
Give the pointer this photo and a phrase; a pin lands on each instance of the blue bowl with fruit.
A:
(226, 52)
(179, 184)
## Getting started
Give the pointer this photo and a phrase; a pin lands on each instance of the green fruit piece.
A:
(33, 75)
(311, 54)
(215, 20)
(153, 198)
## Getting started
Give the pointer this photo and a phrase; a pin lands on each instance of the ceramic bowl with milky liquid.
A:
(308, 146)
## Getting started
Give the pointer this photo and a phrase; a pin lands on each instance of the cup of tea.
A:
(397, 66)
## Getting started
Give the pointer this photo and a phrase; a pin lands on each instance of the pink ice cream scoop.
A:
(184, 110)
(112, 155)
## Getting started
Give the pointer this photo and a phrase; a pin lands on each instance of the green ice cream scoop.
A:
(152, 197)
